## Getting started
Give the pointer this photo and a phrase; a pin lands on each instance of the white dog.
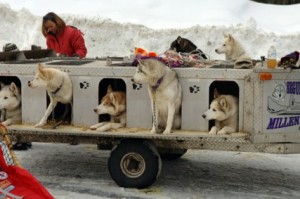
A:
(10, 104)
(114, 104)
(58, 85)
(232, 48)
(165, 93)
(224, 110)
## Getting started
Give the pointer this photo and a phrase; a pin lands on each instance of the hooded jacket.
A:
(68, 42)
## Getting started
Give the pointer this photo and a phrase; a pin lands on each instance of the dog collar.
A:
(157, 83)
(58, 88)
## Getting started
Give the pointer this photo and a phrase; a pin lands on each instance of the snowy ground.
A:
(81, 172)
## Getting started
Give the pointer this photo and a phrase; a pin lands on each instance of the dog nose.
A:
(216, 50)
(204, 116)
(29, 83)
(95, 110)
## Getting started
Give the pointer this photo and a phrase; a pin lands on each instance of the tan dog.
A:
(10, 104)
(114, 104)
(58, 85)
(224, 110)
(165, 93)
(232, 48)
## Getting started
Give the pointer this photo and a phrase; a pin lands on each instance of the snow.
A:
(115, 28)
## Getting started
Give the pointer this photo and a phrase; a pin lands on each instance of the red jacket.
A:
(68, 42)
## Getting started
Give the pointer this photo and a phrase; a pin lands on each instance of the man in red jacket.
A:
(64, 40)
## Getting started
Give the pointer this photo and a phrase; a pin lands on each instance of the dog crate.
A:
(269, 111)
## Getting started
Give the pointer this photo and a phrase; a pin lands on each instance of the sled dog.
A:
(58, 85)
(184, 45)
(224, 110)
(232, 48)
(165, 93)
(10, 104)
(114, 104)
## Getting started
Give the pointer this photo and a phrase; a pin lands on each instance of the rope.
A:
(8, 143)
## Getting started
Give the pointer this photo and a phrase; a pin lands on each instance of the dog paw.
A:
(222, 132)
(213, 132)
(39, 124)
(194, 89)
(167, 132)
(153, 131)
(93, 127)
(84, 85)
(136, 86)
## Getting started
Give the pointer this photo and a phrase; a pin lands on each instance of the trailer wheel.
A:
(134, 164)
(171, 153)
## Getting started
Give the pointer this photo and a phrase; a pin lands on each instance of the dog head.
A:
(113, 103)
(40, 79)
(10, 97)
(182, 45)
(227, 44)
(149, 71)
(219, 108)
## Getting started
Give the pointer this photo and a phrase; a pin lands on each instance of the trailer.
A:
(269, 111)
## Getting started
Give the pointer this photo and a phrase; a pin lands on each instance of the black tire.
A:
(134, 164)
(171, 153)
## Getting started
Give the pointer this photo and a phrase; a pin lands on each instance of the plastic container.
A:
(272, 57)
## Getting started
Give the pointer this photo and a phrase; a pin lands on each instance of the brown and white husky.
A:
(114, 104)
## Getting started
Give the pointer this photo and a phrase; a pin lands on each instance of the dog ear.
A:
(13, 88)
(112, 98)
(223, 102)
(1, 85)
(230, 38)
(178, 39)
(40, 69)
(109, 89)
(216, 93)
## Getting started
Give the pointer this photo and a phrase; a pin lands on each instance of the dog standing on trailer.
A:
(114, 104)
(58, 85)
(224, 110)
(165, 93)
(10, 104)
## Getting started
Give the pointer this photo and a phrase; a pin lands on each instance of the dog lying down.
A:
(224, 110)
(183, 45)
(165, 93)
(234, 51)
(59, 88)
(10, 104)
(114, 104)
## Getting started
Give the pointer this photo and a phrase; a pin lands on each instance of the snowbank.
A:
(105, 37)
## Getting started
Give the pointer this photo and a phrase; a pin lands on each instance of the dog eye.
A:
(5, 97)
(224, 45)
(214, 110)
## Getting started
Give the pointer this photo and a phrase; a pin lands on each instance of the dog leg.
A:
(171, 112)
(154, 117)
(213, 130)
(7, 122)
(226, 130)
(48, 112)
(64, 116)
(96, 126)
(109, 125)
